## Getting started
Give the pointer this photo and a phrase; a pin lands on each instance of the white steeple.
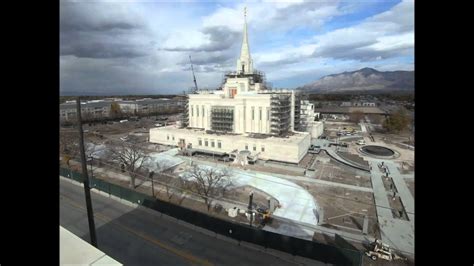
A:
(244, 63)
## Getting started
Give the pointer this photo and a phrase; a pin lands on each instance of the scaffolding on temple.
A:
(297, 112)
(280, 109)
(222, 118)
(254, 77)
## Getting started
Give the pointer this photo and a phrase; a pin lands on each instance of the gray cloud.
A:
(354, 50)
(96, 48)
(300, 15)
(361, 51)
(284, 61)
(211, 58)
(107, 48)
(383, 36)
(95, 30)
(397, 20)
(114, 75)
(220, 38)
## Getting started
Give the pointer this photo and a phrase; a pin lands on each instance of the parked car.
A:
(314, 147)
(360, 142)
(225, 158)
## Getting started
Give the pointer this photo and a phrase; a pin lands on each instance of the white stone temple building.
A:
(243, 114)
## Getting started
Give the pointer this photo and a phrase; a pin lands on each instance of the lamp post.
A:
(90, 160)
(250, 207)
(90, 214)
(152, 187)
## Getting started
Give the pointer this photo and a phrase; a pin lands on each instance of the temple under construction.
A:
(244, 115)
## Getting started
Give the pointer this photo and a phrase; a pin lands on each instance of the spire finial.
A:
(244, 64)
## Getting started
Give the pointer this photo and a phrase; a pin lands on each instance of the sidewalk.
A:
(396, 232)
(335, 156)
(403, 191)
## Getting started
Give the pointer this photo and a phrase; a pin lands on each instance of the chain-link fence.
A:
(295, 246)
(104, 186)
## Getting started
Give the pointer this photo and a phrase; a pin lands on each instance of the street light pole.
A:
(90, 214)
(92, 173)
(250, 207)
(152, 187)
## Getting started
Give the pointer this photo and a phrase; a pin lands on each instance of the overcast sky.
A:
(141, 47)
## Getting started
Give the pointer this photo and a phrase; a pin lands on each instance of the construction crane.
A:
(194, 77)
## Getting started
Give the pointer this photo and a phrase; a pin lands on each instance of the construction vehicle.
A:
(263, 216)
(382, 251)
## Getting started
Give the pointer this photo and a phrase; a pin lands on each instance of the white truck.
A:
(383, 251)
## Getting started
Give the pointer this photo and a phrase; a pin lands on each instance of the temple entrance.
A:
(182, 144)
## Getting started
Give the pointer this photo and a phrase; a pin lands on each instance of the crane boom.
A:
(194, 77)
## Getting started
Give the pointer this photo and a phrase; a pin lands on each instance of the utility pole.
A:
(87, 192)
(90, 159)
(250, 207)
(152, 187)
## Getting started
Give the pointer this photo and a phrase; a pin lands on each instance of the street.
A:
(134, 236)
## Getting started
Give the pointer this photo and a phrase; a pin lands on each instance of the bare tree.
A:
(68, 145)
(356, 116)
(131, 157)
(169, 180)
(115, 110)
(375, 119)
(208, 182)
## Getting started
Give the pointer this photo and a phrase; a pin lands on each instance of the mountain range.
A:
(365, 79)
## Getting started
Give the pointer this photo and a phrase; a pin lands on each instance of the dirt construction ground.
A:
(343, 208)
(330, 170)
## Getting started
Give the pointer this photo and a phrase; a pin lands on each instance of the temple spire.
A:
(244, 64)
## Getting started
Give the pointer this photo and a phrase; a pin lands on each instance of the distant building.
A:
(308, 121)
(89, 110)
(97, 109)
(149, 106)
(358, 104)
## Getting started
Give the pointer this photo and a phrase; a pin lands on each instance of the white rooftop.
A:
(74, 250)
(295, 137)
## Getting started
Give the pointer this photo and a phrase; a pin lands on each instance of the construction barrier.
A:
(240, 232)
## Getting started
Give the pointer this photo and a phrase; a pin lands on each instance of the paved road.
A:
(335, 156)
(136, 237)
